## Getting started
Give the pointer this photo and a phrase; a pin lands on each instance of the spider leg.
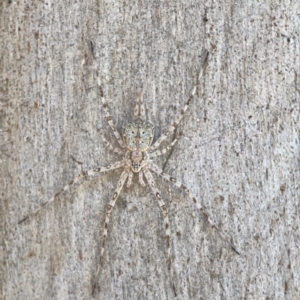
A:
(141, 180)
(109, 209)
(110, 147)
(83, 174)
(129, 181)
(163, 151)
(177, 121)
(174, 124)
(109, 117)
(163, 207)
(177, 183)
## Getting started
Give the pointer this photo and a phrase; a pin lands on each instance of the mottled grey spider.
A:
(137, 150)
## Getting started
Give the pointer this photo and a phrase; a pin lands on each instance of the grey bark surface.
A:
(238, 152)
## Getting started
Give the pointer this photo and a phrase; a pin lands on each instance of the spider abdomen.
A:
(138, 135)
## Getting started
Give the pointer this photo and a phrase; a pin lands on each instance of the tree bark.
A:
(238, 151)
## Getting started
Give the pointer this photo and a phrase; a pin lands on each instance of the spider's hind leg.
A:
(110, 147)
(109, 117)
(178, 119)
(162, 151)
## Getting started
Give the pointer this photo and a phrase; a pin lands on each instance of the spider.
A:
(137, 150)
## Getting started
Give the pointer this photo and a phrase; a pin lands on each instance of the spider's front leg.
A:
(109, 209)
(163, 207)
(83, 174)
(180, 185)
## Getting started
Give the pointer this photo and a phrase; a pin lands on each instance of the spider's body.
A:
(137, 150)
(138, 135)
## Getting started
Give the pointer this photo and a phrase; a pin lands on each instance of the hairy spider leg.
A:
(174, 124)
(109, 209)
(162, 151)
(110, 147)
(83, 174)
(129, 181)
(141, 180)
(180, 185)
(108, 116)
(177, 121)
(163, 207)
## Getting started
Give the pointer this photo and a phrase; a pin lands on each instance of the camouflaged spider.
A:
(137, 150)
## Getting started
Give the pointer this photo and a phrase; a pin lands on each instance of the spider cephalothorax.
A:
(137, 151)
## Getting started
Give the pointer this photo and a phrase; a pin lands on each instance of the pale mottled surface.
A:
(239, 153)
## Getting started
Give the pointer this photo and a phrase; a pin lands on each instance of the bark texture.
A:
(238, 153)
